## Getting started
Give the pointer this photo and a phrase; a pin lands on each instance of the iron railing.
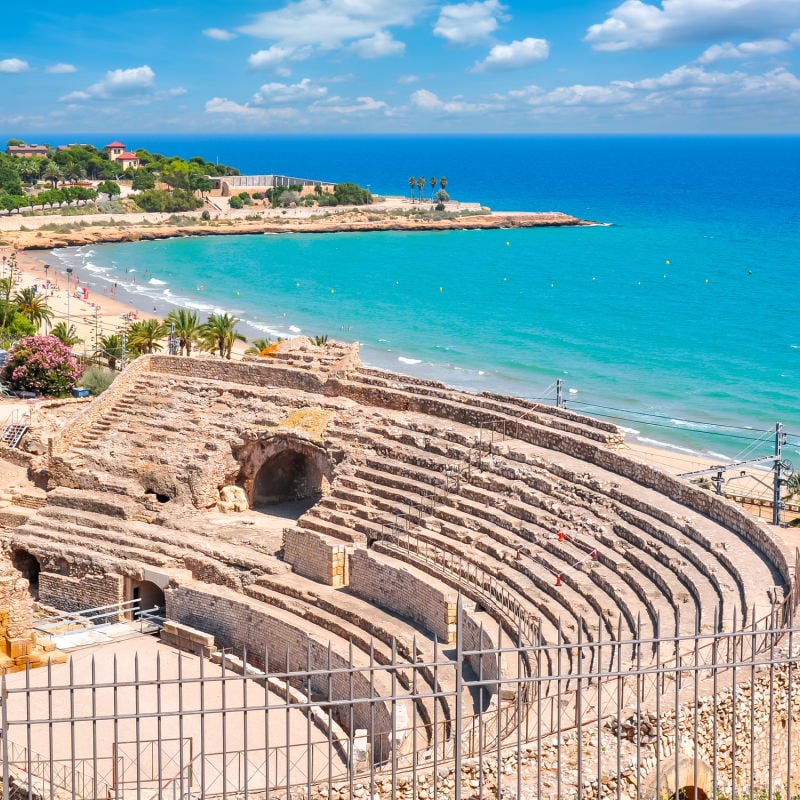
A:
(712, 714)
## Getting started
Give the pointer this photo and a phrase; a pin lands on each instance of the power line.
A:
(674, 427)
(664, 416)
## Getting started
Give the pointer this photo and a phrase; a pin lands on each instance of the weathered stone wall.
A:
(97, 409)
(70, 593)
(241, 623)
(316, 556)
(404, 591)
(265, 372)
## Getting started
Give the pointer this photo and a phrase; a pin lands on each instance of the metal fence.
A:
(711, 715)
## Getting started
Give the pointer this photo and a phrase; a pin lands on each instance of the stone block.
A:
(18, 648)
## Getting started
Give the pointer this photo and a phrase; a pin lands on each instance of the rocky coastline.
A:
(72, 231)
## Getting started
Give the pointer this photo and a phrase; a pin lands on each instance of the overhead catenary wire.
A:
(664, 416)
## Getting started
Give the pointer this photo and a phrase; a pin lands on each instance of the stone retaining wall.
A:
(404, 591)
(241, 623)
(316, 556)
(69, 593)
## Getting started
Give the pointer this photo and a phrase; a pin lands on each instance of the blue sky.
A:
(328, 66)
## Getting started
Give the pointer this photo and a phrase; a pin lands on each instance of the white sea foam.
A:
(629, 430)
(294, 329)
(404, 360)
(157, 282)
(573, 391)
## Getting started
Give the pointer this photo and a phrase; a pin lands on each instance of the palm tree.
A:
(33, 307)
(443, 183)
(219, 334)
(420, 184)
(792, 486)
(320, 340)
(432, 182)
(412, 183)
(69, 337)
(187, 328)
(110, 349)
(144, 335)
(52, 173)
(256, 346)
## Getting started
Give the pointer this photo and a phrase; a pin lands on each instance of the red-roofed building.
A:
(127, 160)
(115, 150)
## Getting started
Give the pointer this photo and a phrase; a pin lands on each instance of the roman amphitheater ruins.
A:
(462, 592)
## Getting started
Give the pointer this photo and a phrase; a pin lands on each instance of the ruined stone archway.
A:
(283, 468)
(29, 567)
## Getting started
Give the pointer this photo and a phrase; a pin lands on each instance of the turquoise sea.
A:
(678, 318)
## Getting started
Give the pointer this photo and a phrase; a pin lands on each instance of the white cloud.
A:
(277, 57)
(14, 65)
(730, 52)
(794, 37)
(677, 92)
(283, 93)
(220, 34)
(379, 45)
(407, 79)
(337, 105)
(469, 23)
(61, 69)
(221, 105)
(329, 23)
(638, 25)
(428, 101)
(118, 82)
(516, 55)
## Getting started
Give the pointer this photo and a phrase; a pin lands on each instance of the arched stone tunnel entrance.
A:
(29, 567)
(284, 469)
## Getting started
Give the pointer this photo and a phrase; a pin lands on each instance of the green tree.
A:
(432, 182)
(145, 334)
(68, 337)
(111, 188)
(420, 185)
(187, 328)
(33, 307)
(9, 176)
(143, 180)
(110, 349)
(792, 484)
(443, 183)
(219, 334)
(412, 183)
(52, 172)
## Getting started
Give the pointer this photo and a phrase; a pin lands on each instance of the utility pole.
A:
(777, 470)
(559, 393)
(173, 340)
(122, 359)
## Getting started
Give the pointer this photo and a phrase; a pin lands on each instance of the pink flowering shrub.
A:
(41, 364)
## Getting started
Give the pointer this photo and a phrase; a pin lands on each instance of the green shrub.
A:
(205, 216)
(97, 379)
(41, 364)
(236, 202)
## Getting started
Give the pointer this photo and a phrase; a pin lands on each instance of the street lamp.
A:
(69, 291)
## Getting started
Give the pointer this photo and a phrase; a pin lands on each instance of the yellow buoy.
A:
(333, 291)
(667, 262)
(508, 243)
(706, 280)
(441, 289)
